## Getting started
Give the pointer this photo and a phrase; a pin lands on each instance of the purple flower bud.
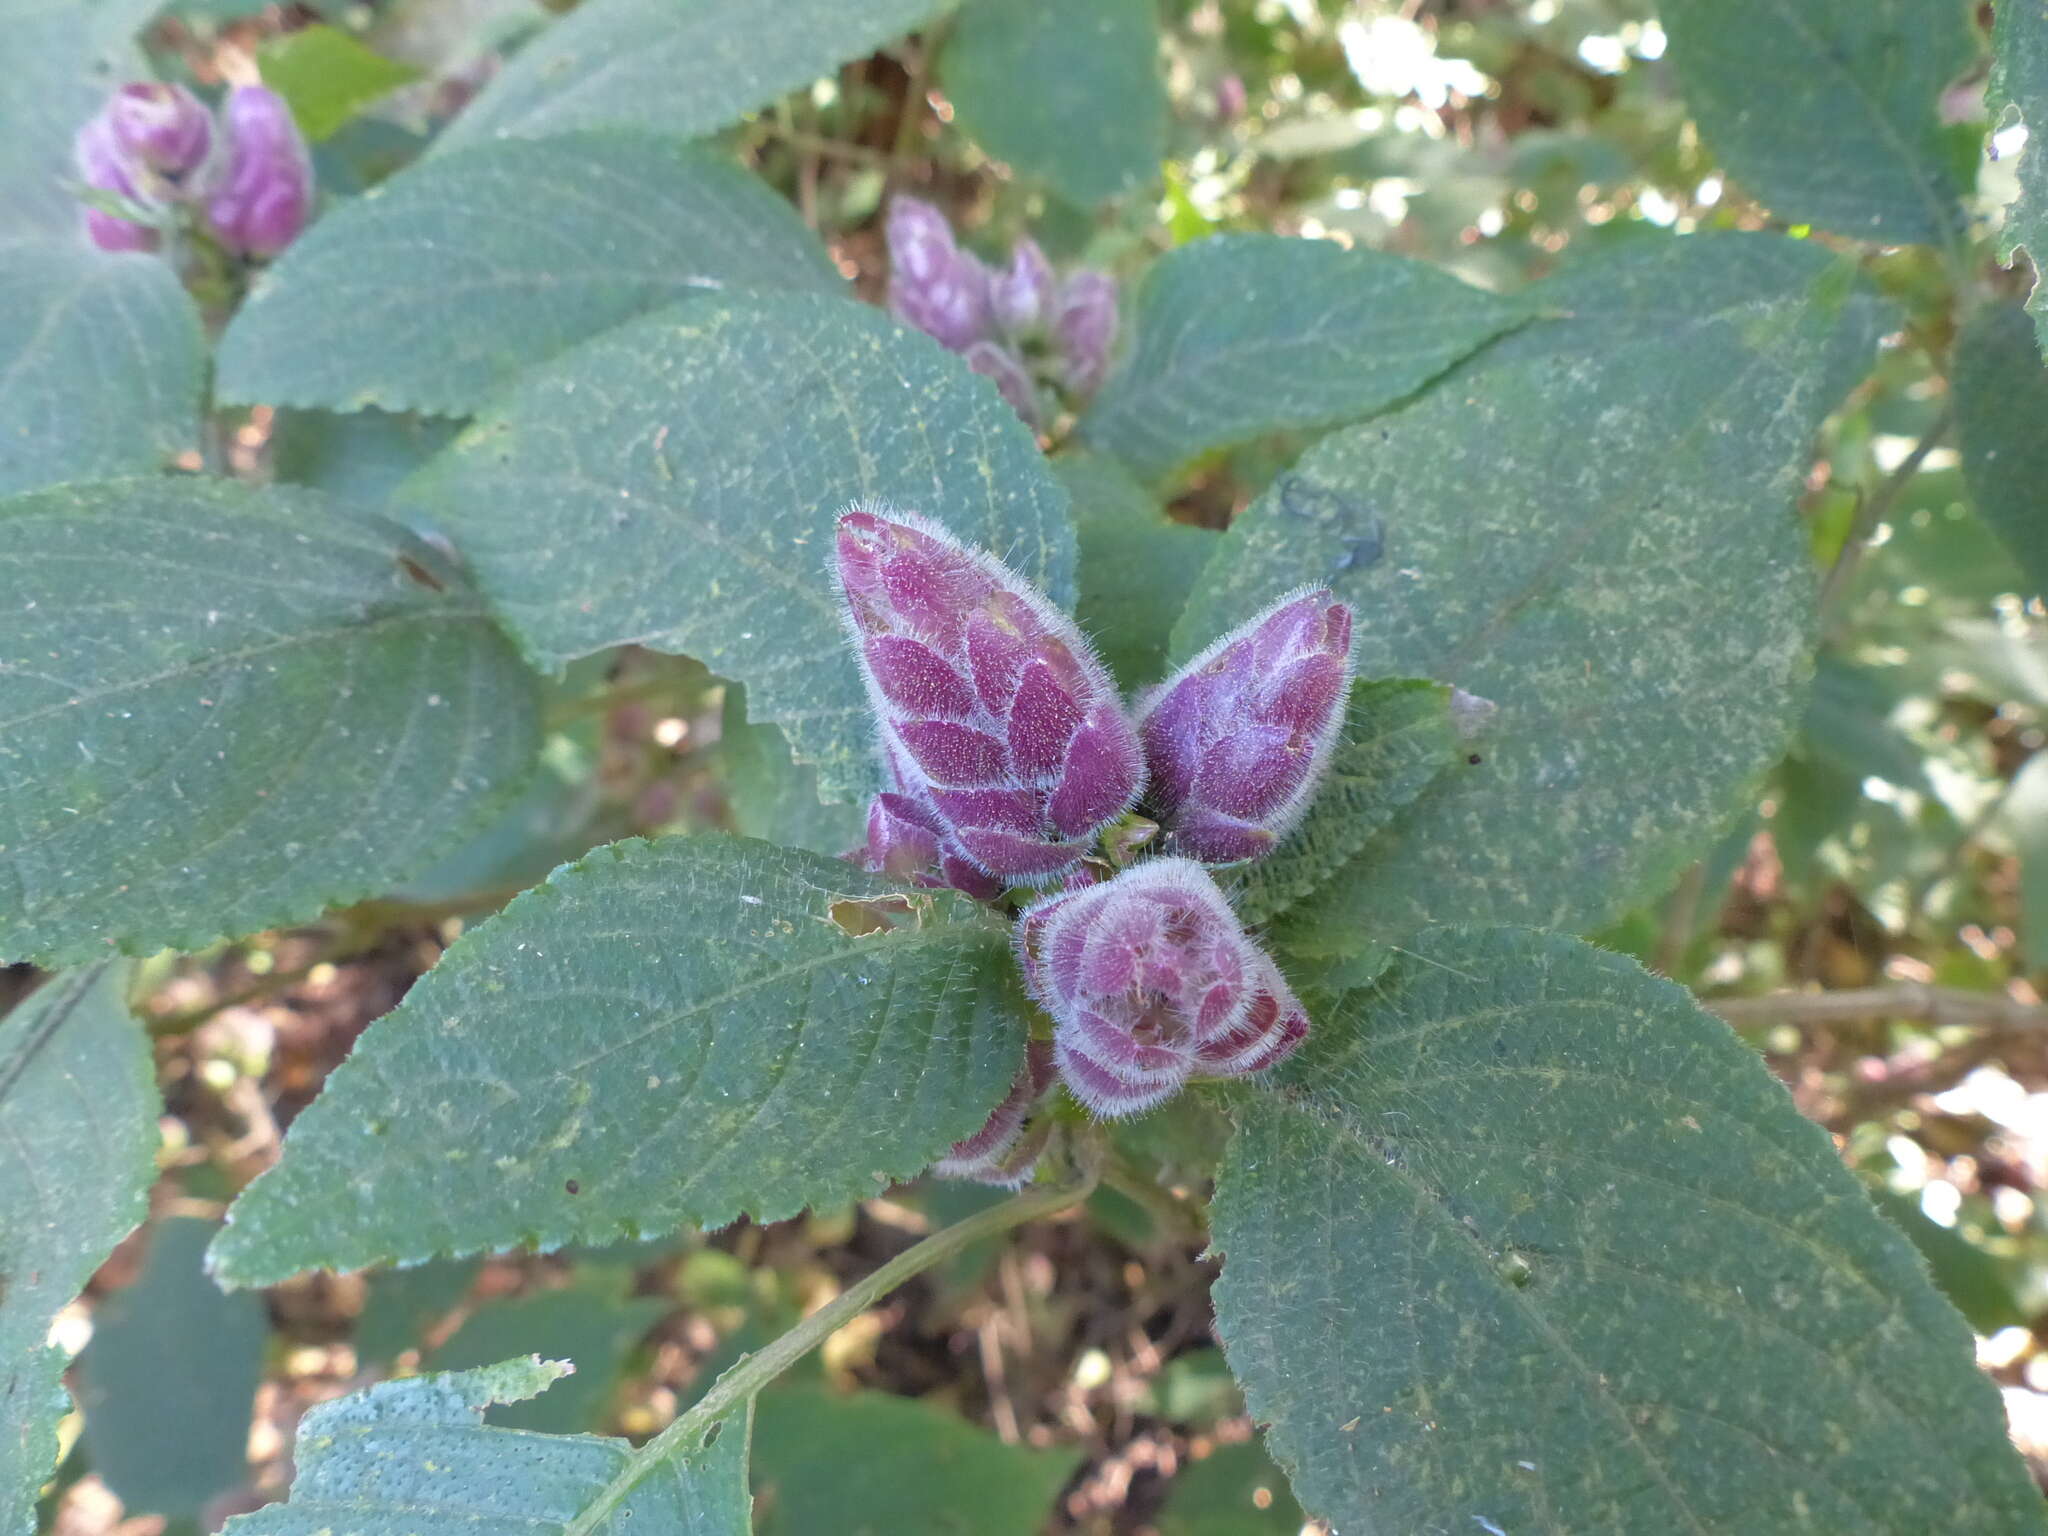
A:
(1150, 980)
(1005, 1150)
(164, 127)
(994, 361)
(265, 192)
(1003, 732)
(933, 284)
(1023, 297)
(1085, 328)
(1236, 740)
(105, 167)
(1230, 98)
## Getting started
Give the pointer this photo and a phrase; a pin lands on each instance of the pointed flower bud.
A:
(1006, 1149)
(999, 725)
(104, 166)
(994, 361)
(164, 127)
(1084, 329)
(1236, 740)
(1023, 296)
(933, 284)
(1150, 980)
(265, 192)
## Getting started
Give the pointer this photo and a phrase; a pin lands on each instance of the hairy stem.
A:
(755, 1371)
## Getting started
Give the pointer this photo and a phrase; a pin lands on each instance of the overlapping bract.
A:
(1150, 980)
(1004, 1151)
(265, 190)
(1005, 739)
(1236, 740)
(1021, 326)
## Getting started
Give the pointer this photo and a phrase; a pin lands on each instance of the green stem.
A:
(754, 1372)
(1835, 588)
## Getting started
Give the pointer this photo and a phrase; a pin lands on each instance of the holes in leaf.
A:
(859, 916)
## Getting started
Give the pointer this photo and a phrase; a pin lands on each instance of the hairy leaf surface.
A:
(1591, 525)
(675, 483)
(677, 67)
(1580, 1265)
(1830, 110)
(1243, 334)
(101, 362)
(78, 1141)
(413, 1458)
(1070, 90)
(668, 1033)
(432, 292)
(223, 709)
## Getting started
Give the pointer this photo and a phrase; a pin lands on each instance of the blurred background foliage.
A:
(1876, 924)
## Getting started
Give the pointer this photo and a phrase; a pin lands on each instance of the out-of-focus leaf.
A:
(2024, 817)
(2019, 81)
(1830, 110)
(432, 294)
(1069, 90)
(169, 1379)
(676, 67)
(1136, 567)
(63, 58)
(875, 1465)
(413, 1458)
(1848, 726)
(1234, 1491)
(675, 481)
(101, 362)
(326, 76)
(224, 709)
(78, 1143)
(355, 456)
(581, 1324)
(1577, 1259)
(665, 1034)
(1196, 1388)
(1591, 492)
(774, 797)
(2001, 398)
(1968, 1276)
(403, 1304)
(1243, 334)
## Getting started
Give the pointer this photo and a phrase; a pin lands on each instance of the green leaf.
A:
(1399, 735)
(223, 709)
(1234, 1491)
(2019, 81)
(675, 481)
(1522, 1239)
(78, 1143)
(1137, 566)
(875, 1465)
(326, 77)
(404, 1304)
(580, 1324)
(169, 1380)
(63, 57)
(1069, 90)
(2001, 399)
(432, 292)
(101, 363)
(667, 1034)
(774, 797)
(356, 456)
(1592, 527)
(1975, 1281)
(411, 1458)
(2024, 818)
(677, 67)
(1848, 726)
(1830, 110)
(1239, 335)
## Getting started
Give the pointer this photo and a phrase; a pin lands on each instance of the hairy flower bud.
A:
(265, 191)
(1023, 296)
(1150, 980)
(105, 167)
(1236, 740)
(164, 127)
(1001, 729)
(1084, 328)
(933, 284)
(1006, 1149)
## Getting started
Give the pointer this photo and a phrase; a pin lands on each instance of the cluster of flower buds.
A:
(1004, 737)
(1236, 740)
(1019, 326)
(1150, 980)
(154, 148)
